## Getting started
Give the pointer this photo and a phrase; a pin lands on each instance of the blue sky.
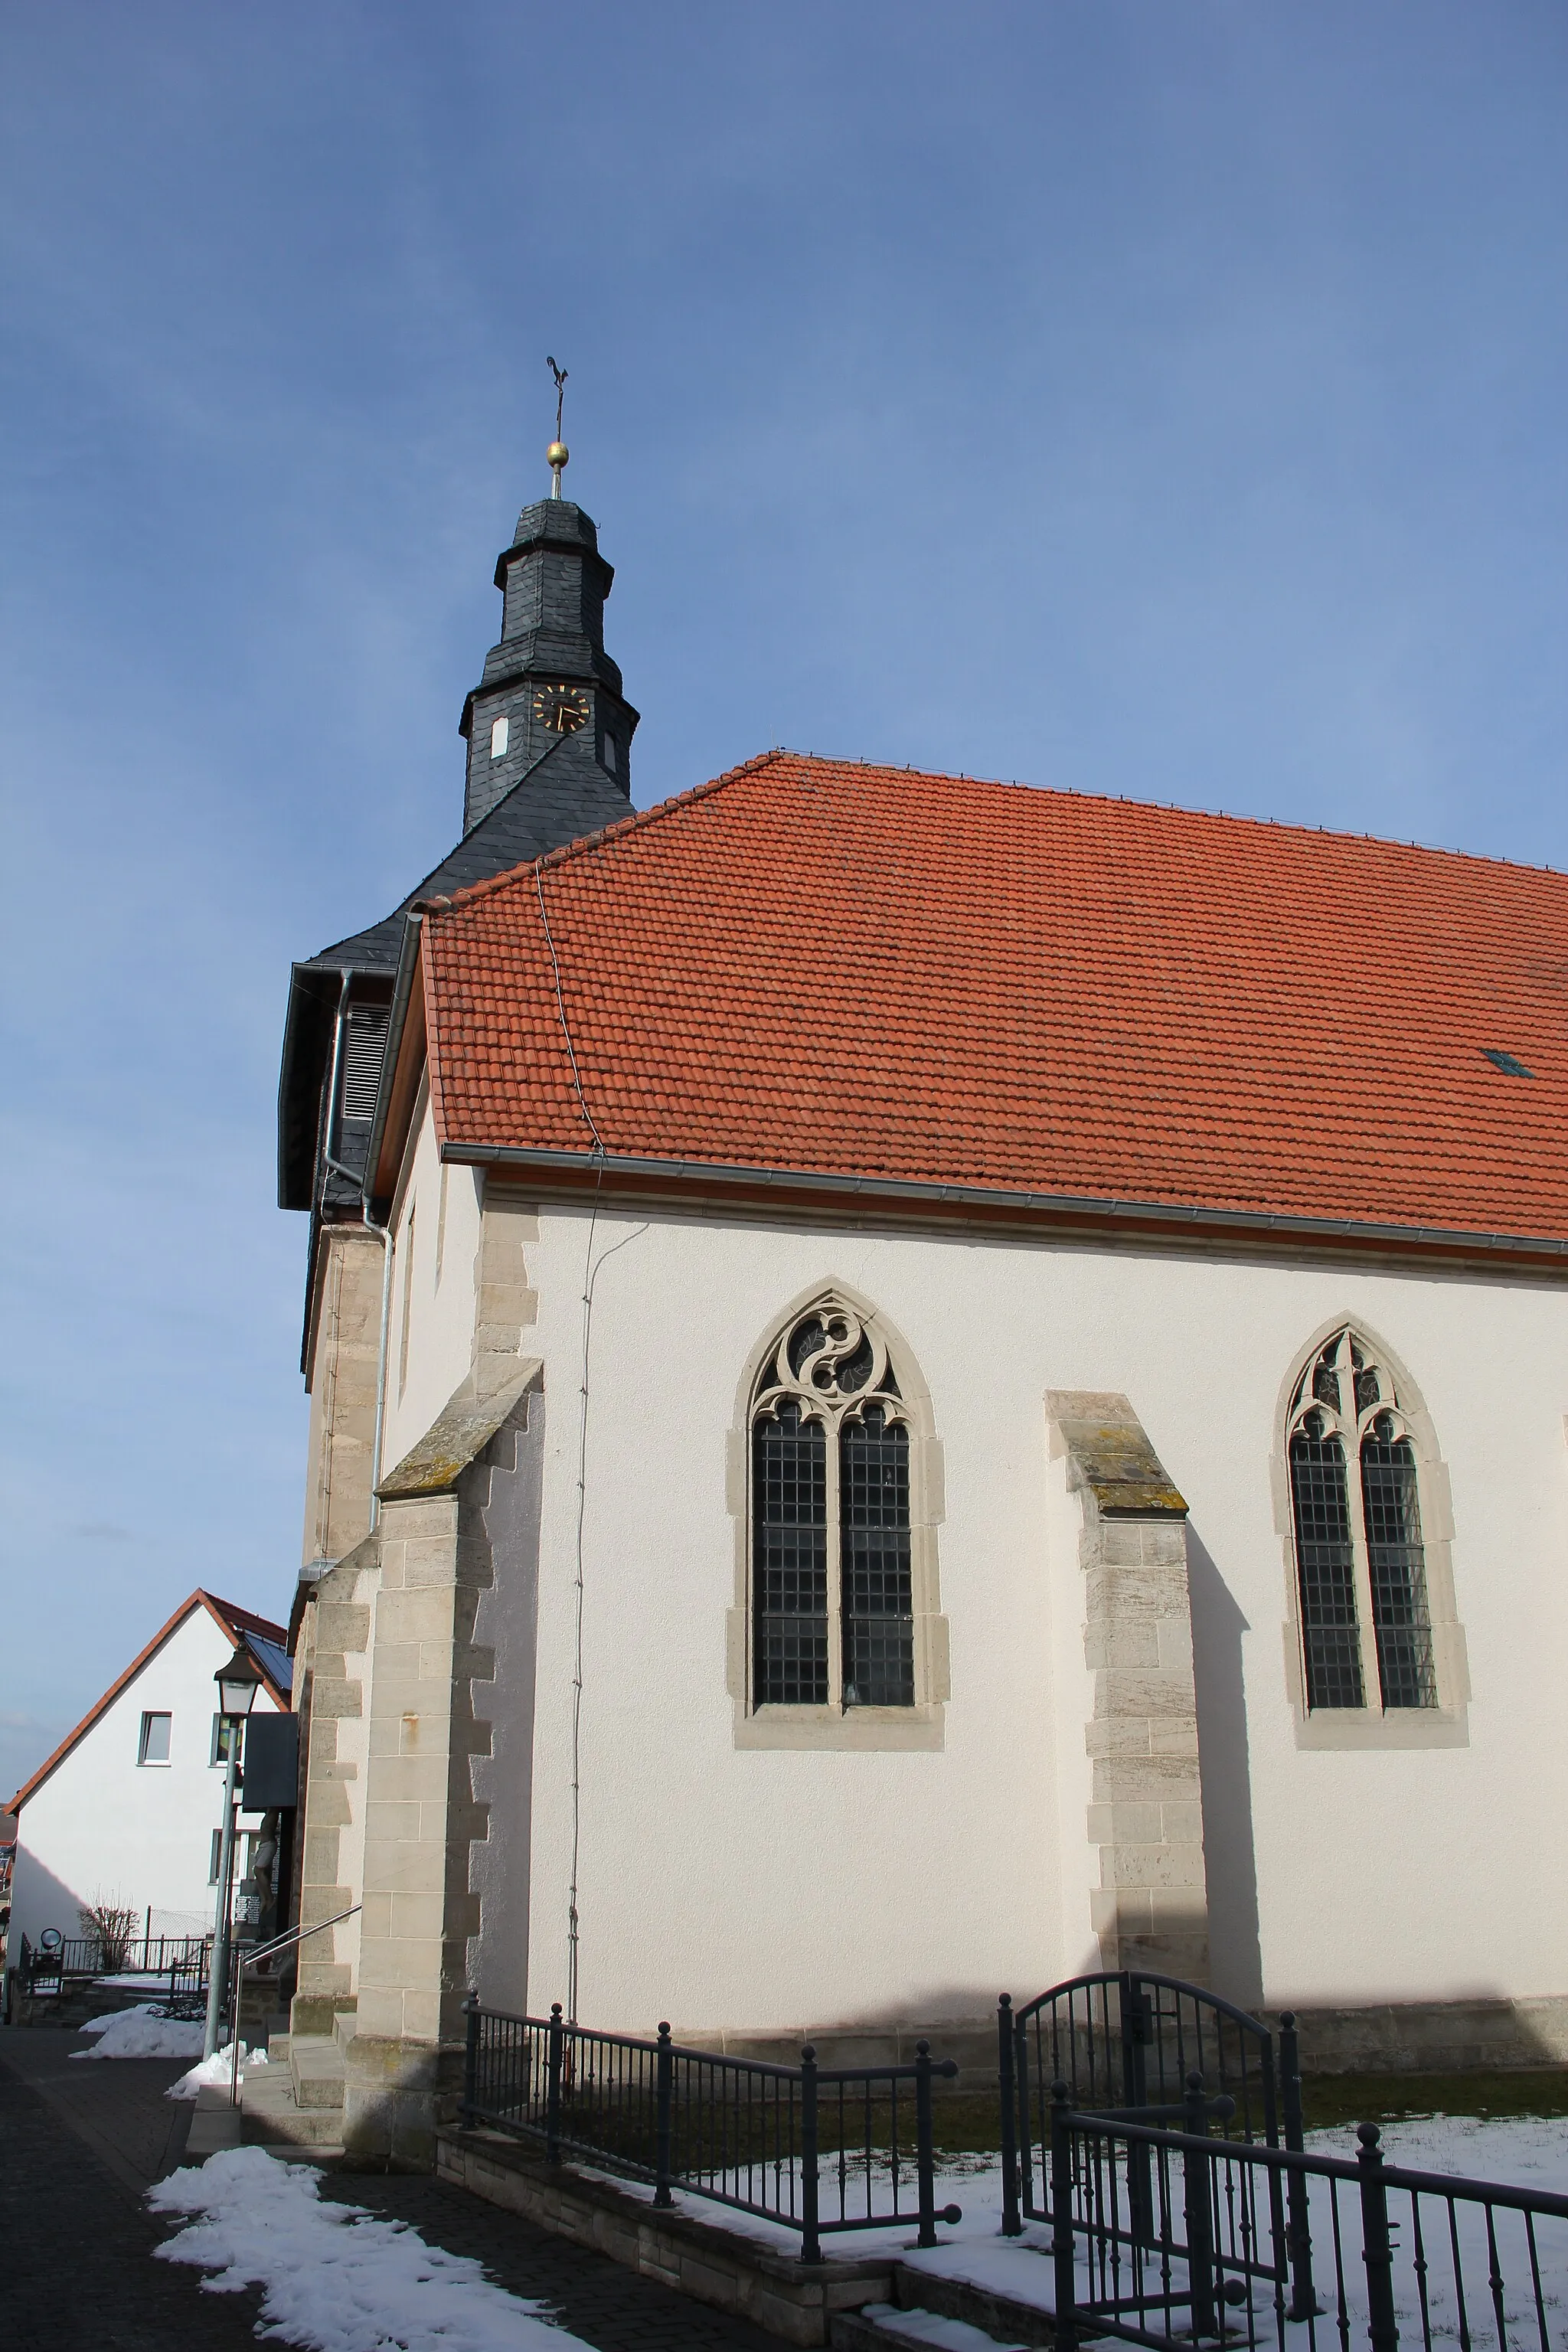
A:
(1161, 397)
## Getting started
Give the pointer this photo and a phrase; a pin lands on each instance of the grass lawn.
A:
(968, 2122)
(1330, 2099)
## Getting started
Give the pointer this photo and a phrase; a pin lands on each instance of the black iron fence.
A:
(817, 2148)
(1174, 2237)
(56, 1957)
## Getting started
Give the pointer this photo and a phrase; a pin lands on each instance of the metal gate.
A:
(1155, 2052)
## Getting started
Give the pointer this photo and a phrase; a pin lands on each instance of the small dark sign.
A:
(270, 1780)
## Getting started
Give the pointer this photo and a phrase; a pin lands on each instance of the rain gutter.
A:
(1164, 1216)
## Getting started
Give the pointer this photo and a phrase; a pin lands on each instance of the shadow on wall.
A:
(1230, 1861)
(38, 1900)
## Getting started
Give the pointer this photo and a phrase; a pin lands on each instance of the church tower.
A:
(548, 733)
(549, 691)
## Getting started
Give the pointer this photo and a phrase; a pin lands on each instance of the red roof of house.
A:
(232, 1622)
(903, 980)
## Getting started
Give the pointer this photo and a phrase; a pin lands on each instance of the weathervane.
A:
(558, 453)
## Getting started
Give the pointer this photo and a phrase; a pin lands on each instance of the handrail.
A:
(765, 2066)
(279, 1944)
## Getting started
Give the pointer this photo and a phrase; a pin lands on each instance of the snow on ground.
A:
(333, 2278)
(1530, 2153)
(218, 2068)
(929, 2328)
(136, 1980)
(137, 2033)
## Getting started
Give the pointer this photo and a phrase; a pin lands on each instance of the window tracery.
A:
(1360, 1559)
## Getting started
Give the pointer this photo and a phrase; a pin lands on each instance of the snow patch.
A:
(334, 2279)
(137, 2033)
(218, 2068)
(929, 2327)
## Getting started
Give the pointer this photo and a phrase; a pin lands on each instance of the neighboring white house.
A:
(129, 1807)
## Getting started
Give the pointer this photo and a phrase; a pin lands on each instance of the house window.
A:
(153, 1747)
(215, 1859)
(831, 1601)
(1366, 1627)
(228, 1738)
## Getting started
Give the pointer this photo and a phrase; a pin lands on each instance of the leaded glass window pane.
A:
(789, 1552)
(874, 1533)
(1401, 1619)
(1325, 1562)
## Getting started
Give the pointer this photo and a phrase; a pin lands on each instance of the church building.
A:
(919, 1386)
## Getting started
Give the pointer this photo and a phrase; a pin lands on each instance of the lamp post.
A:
(238, 1683)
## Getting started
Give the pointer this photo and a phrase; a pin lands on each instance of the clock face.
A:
(561, 709)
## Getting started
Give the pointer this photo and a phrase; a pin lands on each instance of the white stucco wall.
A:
(102, 1825)
(436, 1278)
(732, 1888)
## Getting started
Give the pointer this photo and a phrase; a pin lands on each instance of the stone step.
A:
(315, 2071)
(879, 2326)
(998, 2318)
(215, 2124)
(278, 2049)
(271, 2118)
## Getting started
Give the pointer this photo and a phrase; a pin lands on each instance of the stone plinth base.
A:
(396, 2096)
(791, 2299)
(1432, 2037)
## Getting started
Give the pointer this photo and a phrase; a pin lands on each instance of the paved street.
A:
(78, 2144)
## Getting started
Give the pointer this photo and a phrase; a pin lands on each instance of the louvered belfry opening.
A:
(1359, 1560)
(364, 1049)
(832, 1572)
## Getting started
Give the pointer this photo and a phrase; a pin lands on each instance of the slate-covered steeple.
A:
(548, 736)
(549, 689)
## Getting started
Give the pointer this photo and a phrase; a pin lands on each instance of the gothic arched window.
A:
(833, 1600)
(1366, 1630)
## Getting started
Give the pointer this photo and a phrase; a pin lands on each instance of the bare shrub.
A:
(111, 1926)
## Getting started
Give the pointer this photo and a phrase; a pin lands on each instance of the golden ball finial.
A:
(556, 455)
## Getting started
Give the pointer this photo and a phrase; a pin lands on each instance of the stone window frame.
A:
(1447, 1724)
(833, 1725)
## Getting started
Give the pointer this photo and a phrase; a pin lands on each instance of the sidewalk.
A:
(78, 2265)
(79, 2144)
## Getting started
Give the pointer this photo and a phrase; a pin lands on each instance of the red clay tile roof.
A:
(865, 972)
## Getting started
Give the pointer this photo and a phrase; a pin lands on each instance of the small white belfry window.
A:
(153, 1744)
(1355, 1510)
(500, 735)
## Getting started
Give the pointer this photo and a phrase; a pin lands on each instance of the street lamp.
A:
(238, 1684)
